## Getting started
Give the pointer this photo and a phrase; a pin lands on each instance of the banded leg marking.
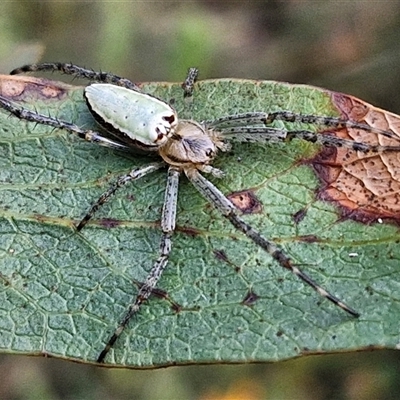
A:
(78, 72)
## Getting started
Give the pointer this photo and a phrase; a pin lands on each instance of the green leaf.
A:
(62, 293)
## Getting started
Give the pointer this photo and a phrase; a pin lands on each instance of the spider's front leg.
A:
(31, 116)
(264, 135)
(168, 219)
(260, 120)
(229, 211)
(190, 80)
(133, 175)
(78, 72)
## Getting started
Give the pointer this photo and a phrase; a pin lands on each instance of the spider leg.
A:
(229, 211)
(249, 134)
(168, 218)
(78, 72)
(188, 84)
(122, 180)
(88, 135)
(260, 118)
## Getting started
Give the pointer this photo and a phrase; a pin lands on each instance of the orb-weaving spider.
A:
(140, 121)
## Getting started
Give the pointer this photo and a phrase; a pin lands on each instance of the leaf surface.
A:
(62, 293)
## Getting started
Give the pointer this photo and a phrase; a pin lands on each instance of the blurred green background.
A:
(351, 46)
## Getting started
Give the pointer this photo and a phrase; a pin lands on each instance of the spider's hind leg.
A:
(168, 218)
(78, 72)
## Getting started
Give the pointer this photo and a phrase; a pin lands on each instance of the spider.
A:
(139, 121)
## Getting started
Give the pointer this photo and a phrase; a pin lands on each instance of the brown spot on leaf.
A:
(250, 298)
(27, 87)
(162, 294)
(188, 230)
(109, 223)
(221, 255)
(308, 239)
(176, 307)
(365, 186)
(299, 215)
(11, 88)
(246, 201)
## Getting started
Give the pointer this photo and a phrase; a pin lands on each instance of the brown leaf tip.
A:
(364, 185)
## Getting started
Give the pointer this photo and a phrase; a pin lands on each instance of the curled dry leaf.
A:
(366, 186)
